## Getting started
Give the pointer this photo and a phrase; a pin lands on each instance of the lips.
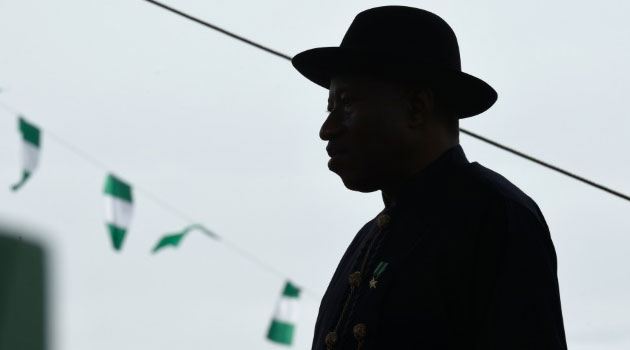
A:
(333, 150)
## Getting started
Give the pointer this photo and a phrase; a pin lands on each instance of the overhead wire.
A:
(467, 132)
(221, 30)
(545, 164)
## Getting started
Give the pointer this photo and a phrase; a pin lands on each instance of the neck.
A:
(424, 158)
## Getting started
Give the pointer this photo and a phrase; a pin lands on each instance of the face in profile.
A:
(367, 132)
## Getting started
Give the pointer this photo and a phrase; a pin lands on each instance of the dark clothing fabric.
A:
(470, 265)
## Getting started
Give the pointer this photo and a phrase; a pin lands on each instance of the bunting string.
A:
(118, 236)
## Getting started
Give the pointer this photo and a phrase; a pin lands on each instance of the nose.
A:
(331, 127)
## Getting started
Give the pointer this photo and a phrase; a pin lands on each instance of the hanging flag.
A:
(31, 141)
(118, 208)
(284, 318)
(174, 239)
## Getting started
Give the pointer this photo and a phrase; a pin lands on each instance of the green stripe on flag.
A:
(30, 132)
(281, 332)
(291, 291)
(117, 234)
(25, 175)
(118, 188)
(172, 240)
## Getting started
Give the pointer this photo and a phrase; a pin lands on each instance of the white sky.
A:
(228, 135)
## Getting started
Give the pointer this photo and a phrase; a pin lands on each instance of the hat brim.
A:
(466, 95)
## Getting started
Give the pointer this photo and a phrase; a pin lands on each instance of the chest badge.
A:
(377, 272)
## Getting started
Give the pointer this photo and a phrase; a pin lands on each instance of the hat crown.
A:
(405, 44)
(406, 33)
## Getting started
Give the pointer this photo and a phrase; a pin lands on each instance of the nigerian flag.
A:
(174, 239)
(31, 141)
(118, 208)
(285, 316)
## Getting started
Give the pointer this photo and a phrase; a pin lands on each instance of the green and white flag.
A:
(285, 316)
(173, 239)
(118, 208)
(31, 142)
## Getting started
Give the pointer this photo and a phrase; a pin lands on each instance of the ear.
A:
(422, 105)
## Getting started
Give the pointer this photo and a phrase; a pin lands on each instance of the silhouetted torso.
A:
(465, 261)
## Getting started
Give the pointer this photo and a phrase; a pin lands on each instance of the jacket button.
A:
(383, 221)
(355, 279)
(359, 330)
(331, 339)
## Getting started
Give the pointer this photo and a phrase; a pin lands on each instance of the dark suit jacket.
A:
(470, 265)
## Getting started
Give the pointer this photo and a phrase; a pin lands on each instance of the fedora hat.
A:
(406, 44)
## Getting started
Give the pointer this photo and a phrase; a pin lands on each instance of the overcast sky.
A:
(227, 135)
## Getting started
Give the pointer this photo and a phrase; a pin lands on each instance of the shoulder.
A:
(508, 219)
(485, 186)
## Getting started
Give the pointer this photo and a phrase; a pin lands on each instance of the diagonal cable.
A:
(221, 30)
(469, 133)
(545, 164)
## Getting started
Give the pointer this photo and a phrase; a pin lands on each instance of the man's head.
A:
(381, 131)
(383, 124)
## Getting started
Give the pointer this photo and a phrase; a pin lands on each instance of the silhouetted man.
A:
(459, 258)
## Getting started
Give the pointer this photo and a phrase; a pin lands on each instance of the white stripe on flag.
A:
(30, 156)
(286, 310)
(117, 211)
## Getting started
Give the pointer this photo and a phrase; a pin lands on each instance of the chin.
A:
(352, 178)
(357, 183)
(358, 187)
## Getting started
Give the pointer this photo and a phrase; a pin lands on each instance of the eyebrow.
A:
(339, 91)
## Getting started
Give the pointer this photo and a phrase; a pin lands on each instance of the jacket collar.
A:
(428, 178)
